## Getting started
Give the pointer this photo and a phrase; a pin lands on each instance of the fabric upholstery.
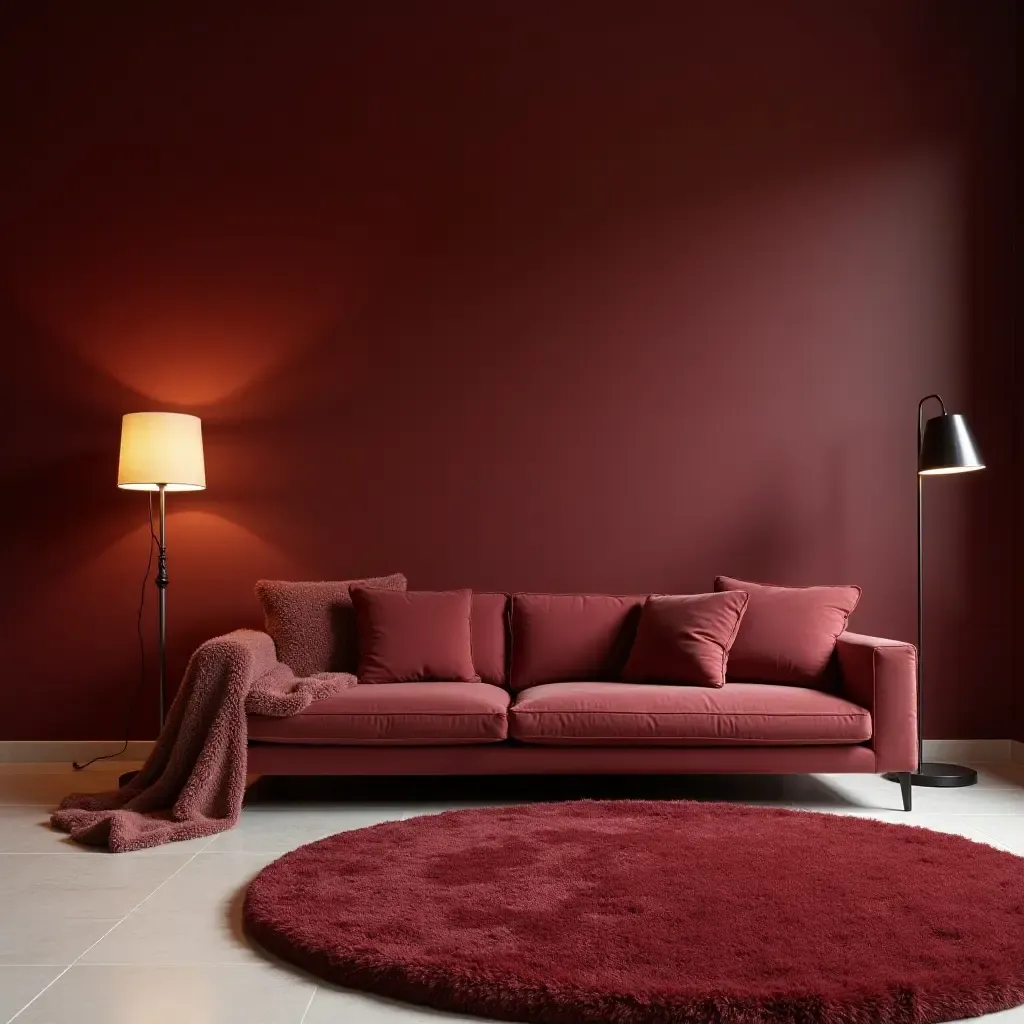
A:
(313, 624)
(685, 638)
(289, 758)
(489, 624)
(881, 675)
(558, 637)
(788, 634)
(417, 714)
(636, 713)
(414, 635)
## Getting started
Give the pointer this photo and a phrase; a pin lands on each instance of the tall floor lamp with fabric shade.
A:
(161, 451)
(945, 445)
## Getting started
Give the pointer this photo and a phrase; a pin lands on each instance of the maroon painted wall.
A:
(555, 296)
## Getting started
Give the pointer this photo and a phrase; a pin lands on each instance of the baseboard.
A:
(1017, 751)
(966, 750)
(71, 750)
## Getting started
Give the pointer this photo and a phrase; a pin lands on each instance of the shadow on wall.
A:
(989, 393)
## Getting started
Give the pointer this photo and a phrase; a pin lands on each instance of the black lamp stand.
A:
(944, 446)
(161, 592)
(161, 604)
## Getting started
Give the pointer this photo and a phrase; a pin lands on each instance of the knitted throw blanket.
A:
(193, 782)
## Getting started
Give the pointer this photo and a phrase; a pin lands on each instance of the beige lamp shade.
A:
(161, 448)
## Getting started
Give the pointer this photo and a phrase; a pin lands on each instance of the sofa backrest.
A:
(566, 637)
(490, 633)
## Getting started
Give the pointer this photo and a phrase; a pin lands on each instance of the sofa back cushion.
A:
(414, 636)
(788, 634)
(313, 624)
(567, 637)
(489, 623)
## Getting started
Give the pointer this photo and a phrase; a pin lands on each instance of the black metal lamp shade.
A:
(948, 446)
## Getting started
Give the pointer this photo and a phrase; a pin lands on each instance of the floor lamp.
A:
(945, 445)
(161, 451)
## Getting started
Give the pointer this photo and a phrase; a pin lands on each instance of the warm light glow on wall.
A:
(161, 448)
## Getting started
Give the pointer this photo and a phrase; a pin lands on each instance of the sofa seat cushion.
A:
(637, 714)
(411, 714)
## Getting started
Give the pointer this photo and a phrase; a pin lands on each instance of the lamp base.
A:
(938, 774)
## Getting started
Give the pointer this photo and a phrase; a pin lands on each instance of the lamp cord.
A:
(134, 706)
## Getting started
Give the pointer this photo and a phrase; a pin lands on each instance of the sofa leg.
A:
(906, 789)
(250, 781)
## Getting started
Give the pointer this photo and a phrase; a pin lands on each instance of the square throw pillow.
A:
(685, 638)
(414, 636)
(788, 634)
(313, 625)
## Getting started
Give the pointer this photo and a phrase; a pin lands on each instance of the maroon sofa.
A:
(548, 701)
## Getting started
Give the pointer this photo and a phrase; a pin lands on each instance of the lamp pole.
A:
(920, 572)
(161, 591)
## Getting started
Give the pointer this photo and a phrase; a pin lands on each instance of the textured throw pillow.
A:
(414, 636)
(313, 625)
(685, 638)
(788, 634)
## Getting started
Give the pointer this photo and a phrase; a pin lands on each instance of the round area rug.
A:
(654, 912)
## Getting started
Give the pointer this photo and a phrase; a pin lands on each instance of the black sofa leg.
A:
(906, 789)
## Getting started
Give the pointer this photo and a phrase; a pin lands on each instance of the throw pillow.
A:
(788, 634)
(414, 636)
(313, 625)
(685, 638)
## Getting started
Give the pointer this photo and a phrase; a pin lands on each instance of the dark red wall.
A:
(605, 296)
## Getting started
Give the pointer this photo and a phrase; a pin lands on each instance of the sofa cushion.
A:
(414, 635)
(788, 634)
(424, 714)
(313, 624)
(638, 714)
(559, 637)
(489, 623)
(685, 638)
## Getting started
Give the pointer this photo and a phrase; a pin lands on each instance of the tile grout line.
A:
(312, 996)
(173, 874)
(994, 839)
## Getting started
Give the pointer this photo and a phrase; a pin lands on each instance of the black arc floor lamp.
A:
(945, 445)
(161, 451)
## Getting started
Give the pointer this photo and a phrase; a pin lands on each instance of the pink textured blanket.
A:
(193, 782)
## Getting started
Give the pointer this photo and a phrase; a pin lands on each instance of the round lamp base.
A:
(938, 774)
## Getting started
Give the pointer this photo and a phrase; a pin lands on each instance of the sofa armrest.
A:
(881, 675)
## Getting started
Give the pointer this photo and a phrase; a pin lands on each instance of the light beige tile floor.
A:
(156, 937)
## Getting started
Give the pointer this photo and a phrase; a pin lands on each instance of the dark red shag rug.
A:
(648, 913)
